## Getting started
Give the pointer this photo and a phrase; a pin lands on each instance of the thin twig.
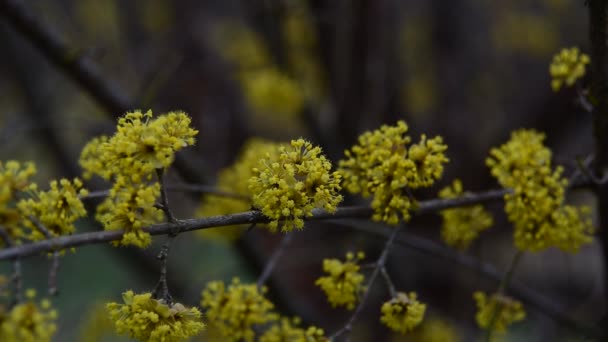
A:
(247, 217)
(389, 282)
(274, 259)
(194, 188)
(53, 271)
(54, 268)
(504, 283)
(372, 278)
(164, 200)
(16, 276)
(161, 291)
(431, 248)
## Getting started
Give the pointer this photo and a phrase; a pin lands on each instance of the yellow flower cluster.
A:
(289, 330)
(402, 313)
(462, 225)
(567, 66)
(287, 189)
(235, 180)
(500, 309)
(57, 209)
(268, 90)
(14, 178)
(139, 147)
(433, 329)
(536, 205)
(236, 309)
(129, 158)
(28, 321)
(344, 282)
(147, 319)
(131, 208)
(96, 325)
(385, 165)
(301, 48)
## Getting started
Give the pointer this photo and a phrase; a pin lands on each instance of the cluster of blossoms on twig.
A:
(286, 182)
(237, 310)
(536, 205)
(147, 319)
(28, 321)
(344, 281)
(462, 225)
(384, 164)
(567, 67)
(498, 311)
(288, 186)
(403, 312)
(141, 147)
(235, 180)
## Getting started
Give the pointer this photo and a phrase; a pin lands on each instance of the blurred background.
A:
(470, 71)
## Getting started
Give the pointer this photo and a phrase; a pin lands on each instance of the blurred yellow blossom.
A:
(235, 180)
(28, 321)
(536, 204)
(14, 178)
(462, 225)
(402, 313)
(235, 310)
(499, 310)
(56, 209)
(567, 67)
(289, 330)
(344, 282)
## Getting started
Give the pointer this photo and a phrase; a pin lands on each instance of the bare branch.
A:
(274, 259)
(372, 278)
(247, 217)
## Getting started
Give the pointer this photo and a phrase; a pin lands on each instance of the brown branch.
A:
(517, 289)
(78, 67)
(380, 264)
(16, 276)
(248, 217)
(193, 188)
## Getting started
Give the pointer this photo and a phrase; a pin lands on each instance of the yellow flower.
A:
(96, 324)
(235, 310)
(462, 225)
(402, 313)
(289, 330)
(57, 209)
(433, 329)
(567, 66)
(131, 208)
(287, 189)
(536, 205)
(140, 145)
(147, 319)
(344, 282)
(269, 91)
(28, 321)
(235, 180)
(383, 164)
(500, 309)
(14, 177)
